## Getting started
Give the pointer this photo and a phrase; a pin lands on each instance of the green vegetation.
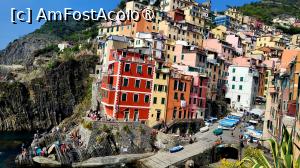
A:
(282, 155)
(291, 30)
(127, 129)
(267, 10)
(52, 64)
(88, 125)
(48, 49)
(122, 4)
(106, 129)
(70, 30)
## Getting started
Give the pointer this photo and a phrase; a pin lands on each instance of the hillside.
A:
(266, 10)
(21, 51)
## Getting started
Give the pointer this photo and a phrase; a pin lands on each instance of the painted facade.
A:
(127, 88)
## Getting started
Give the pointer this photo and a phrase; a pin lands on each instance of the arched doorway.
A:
(226, 152)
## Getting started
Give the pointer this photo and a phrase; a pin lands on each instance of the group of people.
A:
(95, 115)
(76, 138)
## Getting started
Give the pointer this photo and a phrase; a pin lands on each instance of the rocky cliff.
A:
(46, 101)
(21, 51)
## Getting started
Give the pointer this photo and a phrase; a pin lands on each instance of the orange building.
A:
(178, 96)
(128, 28)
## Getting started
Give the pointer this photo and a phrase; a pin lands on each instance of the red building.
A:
(126, 88)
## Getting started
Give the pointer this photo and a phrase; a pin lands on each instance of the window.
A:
(241, 87)
(125, 82)
(157, 75)
(137, 83)
(233, 70)
(160, 88)
(135, 98)
(149, 70)
(148, 84)
(154, 100)
(163, 100)
(238, 98)
(233, 87)
(233, 78)
(174, 113)
(174, 59)
(176, 96)
(147, 98)
(182, 57)
(158, 115)
(175, 85)
(181, 96)
(195, 101)
(139, 69)
(126, 115)
(127, 67)
(124, 97)
(164, 76)
(241, 79)
(136, 115)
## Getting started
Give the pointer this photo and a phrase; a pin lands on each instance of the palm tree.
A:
(282, 154)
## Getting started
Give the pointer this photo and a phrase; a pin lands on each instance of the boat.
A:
(218, 131)
(176, 149)
(204, 129)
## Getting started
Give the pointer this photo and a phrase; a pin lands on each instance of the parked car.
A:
(204, 129)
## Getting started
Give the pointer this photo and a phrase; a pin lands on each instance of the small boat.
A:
(218, 131)
(176, 149)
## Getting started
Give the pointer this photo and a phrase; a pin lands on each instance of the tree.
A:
(122, 4)
(282, 154)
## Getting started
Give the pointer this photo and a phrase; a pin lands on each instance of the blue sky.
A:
(9, 31)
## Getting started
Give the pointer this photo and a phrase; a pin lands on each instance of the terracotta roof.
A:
(241, 61)
(269, 63)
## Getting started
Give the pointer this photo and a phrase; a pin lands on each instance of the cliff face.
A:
(21, 50)
(44, 102)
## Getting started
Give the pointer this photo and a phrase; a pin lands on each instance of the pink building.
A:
(198, 94)
(223, 48)
(236, 42)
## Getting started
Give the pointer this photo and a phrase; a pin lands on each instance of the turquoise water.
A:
(10, 146)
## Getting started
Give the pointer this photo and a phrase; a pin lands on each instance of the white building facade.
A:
(242, 84)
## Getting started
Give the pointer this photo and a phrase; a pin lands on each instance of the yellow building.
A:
(235, 15)
(169, 5)
(270, 41)
(185, 32)
(219, 32)
(111, 42)
(158, 106)
(295, 41)
(134, 6)
(193, 15)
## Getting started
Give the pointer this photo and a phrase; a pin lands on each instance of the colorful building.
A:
(242, 83)
(127, 87)
(158, 109)
(178, 96)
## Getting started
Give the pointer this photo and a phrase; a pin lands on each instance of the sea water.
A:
(10, 146)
